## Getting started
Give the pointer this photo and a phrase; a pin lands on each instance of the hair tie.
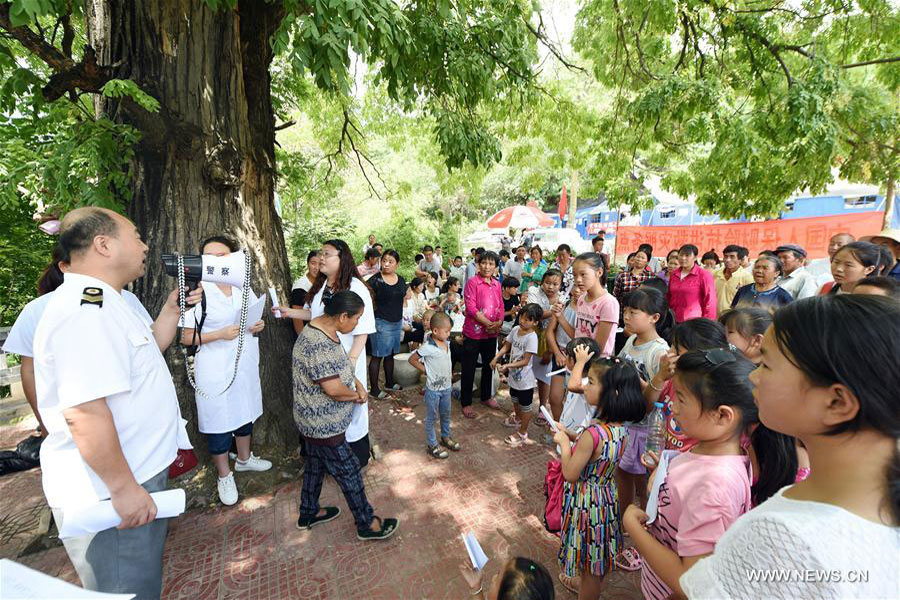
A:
(531, 567)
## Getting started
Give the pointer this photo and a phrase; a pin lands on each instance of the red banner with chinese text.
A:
(812, 234)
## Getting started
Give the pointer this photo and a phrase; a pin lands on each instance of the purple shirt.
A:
(486, 297)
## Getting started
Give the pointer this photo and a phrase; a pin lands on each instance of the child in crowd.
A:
(458, 270)
(577, 412)
(557, 341)
(547, 297)
(433, 359)
(451, 300)
(511, 306)
(520, 579)
(597, 311)
(705, 490)
(745, 328)
(431, 292)
(521, 344)
(646, 314)
(591, 534)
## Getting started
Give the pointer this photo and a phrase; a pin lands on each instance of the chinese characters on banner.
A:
(812, 234)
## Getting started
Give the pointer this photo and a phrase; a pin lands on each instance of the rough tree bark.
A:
(208, 164)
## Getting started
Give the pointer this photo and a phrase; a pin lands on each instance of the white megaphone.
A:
(229, 269)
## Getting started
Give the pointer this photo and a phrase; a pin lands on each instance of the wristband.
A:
(658, 389)
(481, 589)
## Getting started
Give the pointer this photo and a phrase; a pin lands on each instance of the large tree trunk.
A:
(208, 167)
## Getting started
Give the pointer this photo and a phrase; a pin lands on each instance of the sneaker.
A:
(254, 463)
(228, 492)
(388, 528)
(331, 513)
(516, 439)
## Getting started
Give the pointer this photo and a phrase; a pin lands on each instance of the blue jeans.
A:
(220, 443)
(437, 402)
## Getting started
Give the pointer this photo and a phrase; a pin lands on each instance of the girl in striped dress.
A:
(591, 534)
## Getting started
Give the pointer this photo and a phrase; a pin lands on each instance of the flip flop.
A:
(468, 412)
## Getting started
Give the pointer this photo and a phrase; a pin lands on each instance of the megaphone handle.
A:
(191, 284)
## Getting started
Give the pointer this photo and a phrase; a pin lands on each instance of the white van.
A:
(549, 238)
(489, 240)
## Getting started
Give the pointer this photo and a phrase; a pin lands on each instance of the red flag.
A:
(563, 207)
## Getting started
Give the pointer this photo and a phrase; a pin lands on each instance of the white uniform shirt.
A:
(21, 336)
(359, 426)
(223, 412)
(800, 284)
(84, 352)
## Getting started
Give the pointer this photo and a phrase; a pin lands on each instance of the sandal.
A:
(450, 443)
(437, 452)
(387, 528)
(516, 439)
(540, 419)
(468, 412)
(512, 421)
(396, 387)
(573, 584)
(629, 560)
(383, 395)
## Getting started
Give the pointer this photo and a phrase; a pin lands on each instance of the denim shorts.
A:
(220, 443)
(387, 337)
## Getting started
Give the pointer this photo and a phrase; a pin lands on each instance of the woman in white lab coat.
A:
(337, 272)
(229, 414)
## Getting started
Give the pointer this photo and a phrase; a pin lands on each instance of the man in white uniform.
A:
(108, 402)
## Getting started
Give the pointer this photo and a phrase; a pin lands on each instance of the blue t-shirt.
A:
(438, 365)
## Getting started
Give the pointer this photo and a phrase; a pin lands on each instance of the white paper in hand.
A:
(549, 418)
(18, 582)
(254, 312)
(102, 515)
(275, 303)
(476, 554)
(659, 476)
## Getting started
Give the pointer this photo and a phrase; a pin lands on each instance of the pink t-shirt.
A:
(700, 498)
(588, 314)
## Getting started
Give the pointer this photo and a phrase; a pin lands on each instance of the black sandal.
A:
(331, 513)
(387, 529)
(437, 452)
(450, 443)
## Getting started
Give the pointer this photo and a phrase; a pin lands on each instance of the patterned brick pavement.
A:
(254, 551)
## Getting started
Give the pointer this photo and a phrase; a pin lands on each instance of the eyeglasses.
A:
(719, 356)
(326, 254)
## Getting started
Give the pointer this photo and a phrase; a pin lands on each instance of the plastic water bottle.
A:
(656, 434)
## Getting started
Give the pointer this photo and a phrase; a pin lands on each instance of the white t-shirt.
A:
(359, 426)
(815, 550)
(576, 414)
(302, 283)
(523, 377)
(645, 356)
(21, 336)
(84, 352)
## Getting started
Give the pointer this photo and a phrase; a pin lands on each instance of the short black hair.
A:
(711, 255)
(226, 241)
(378, 245)
(598, 238)
(621, 400)
(699, 334)
(441, 319)
(888, 284)
(590, 343)
(509, 282)
(533, 311)
(427, 248)
(552, 273)
(372, 253)
(459, 257)
(689, 249)
(739, 250)
(77, 236)
(564, 247)
(646, 248)
(393, 254)
(488, 255)
(418, 258)
(504, 253)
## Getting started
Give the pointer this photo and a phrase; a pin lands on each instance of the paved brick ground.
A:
(254, 551)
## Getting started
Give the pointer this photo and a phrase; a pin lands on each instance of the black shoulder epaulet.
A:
(93, 296)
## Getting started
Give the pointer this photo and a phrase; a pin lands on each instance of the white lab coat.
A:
(214, 365)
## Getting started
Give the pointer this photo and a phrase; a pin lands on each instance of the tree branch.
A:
(34, 43)
(542, 38)
(877, 61)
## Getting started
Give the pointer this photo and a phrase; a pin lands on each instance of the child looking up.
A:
(521, 345)
(591, 534)
(433, 359)
(431, 292)
(577, 412)
(705, 490)
(745, 328)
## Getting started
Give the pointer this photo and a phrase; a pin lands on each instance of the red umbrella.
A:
(520, 217)
(563, 207)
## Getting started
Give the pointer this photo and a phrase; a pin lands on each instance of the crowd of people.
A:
(776, 382)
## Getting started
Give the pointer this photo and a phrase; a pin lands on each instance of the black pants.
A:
(362, 450)
(487, 349)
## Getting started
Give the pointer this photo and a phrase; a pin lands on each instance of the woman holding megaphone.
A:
(232, 412)
(337, 273)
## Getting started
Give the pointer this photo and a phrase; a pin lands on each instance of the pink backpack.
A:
(553, 490)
